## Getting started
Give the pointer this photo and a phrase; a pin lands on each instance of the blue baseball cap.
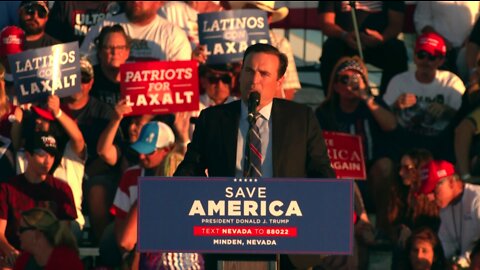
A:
(154, 135)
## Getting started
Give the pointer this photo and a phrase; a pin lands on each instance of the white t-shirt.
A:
(159, 40)
(185, 17)
(446, 88)
(72, 170)
(453, 20)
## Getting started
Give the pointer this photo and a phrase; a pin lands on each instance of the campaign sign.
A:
(38, 73)
(239, 215)
(227, 34)
(160, 87)
(346, 155)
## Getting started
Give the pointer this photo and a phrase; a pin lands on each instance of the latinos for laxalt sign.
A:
(238, 215)
(227, 34)
(41, 72)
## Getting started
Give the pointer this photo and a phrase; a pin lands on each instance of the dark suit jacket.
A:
(298, 147)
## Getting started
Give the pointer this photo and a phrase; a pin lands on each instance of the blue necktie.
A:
(253, 151)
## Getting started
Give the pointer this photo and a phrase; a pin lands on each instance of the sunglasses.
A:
(225, 78)
(350, 80)
(423, 54)
(24, 229)
(32, 8)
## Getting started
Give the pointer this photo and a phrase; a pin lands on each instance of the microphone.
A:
(253, 101)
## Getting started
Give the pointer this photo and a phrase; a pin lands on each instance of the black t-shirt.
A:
(370, 14)
(45, 41)
(104, 89)
(360, 122)
(70, 20)
(92, 120)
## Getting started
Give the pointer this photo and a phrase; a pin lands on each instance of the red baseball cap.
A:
(12, 40)
(432, 172)
(43, 113)
(432, 43)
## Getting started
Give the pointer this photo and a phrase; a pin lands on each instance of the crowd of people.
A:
(65, 160)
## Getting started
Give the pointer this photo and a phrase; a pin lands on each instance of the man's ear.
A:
(280, 81)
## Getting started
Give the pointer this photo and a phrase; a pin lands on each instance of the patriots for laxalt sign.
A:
(228, 34)
(160, 86)
(38, 73)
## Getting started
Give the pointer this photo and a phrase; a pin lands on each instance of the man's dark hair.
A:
(269, 49)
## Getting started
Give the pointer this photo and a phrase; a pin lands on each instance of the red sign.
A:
(160, 87)
(346, 155)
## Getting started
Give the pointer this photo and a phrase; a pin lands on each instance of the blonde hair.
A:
(4, 106)
(56, 232)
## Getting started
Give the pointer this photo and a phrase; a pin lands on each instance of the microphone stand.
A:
(355, 28)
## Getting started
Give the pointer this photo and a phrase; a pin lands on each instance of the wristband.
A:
(59, 114)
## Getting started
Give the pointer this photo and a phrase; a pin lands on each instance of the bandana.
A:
(350, 65)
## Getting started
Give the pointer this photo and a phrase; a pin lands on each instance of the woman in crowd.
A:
(350, 108)
(46, 242)
(408, 209)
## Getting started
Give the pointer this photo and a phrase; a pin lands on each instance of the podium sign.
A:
(238, 215)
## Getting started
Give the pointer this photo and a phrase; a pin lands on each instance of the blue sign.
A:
(233, 215)
(53, 70)
(228, 34)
